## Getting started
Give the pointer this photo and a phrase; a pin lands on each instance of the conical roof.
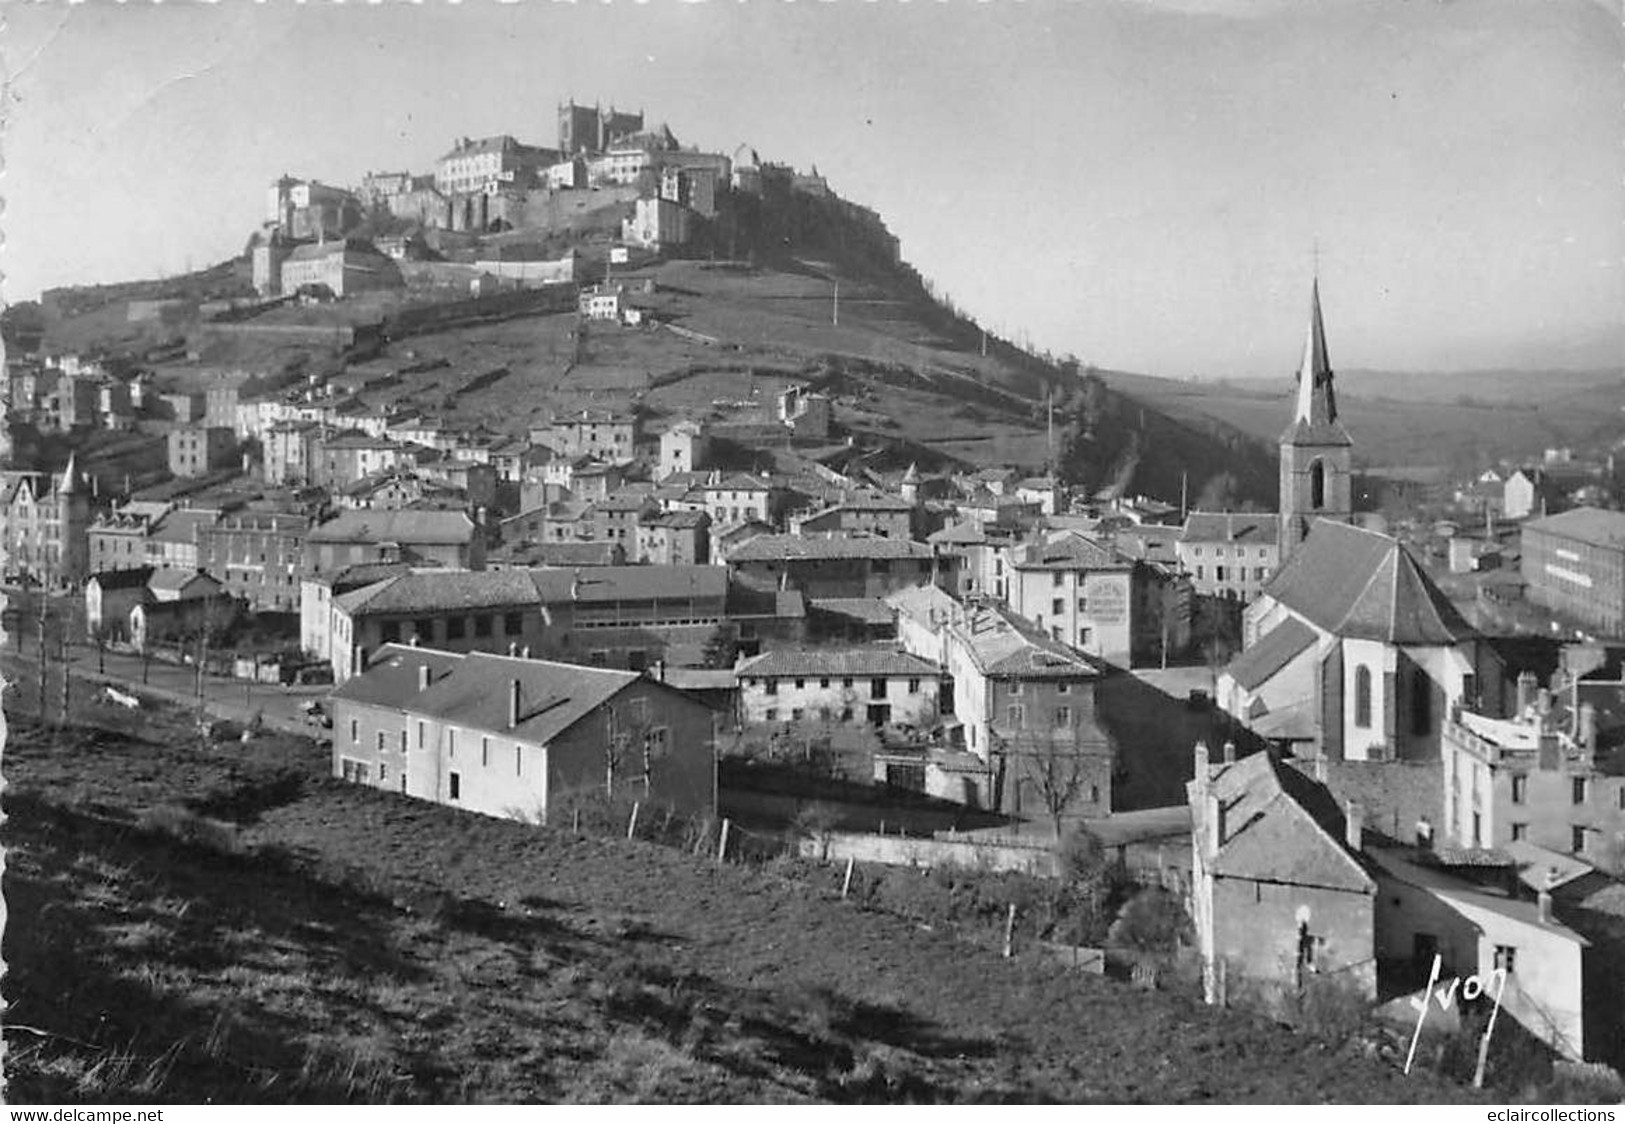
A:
(1314, 415)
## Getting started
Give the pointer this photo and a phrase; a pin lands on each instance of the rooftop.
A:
(838, 662)
(396, 526)
(1232, 527)
(1005, 646)
(791, 548)
(1590, 525)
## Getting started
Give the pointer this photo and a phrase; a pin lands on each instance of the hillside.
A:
(230, 924)
(1408, 421)
(910, 373)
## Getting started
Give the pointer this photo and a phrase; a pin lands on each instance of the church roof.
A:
(1274, 650)
(1358, 584)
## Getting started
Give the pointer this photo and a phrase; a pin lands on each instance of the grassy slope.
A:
(351, 948)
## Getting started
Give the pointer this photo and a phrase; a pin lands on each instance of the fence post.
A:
(1010, 931)
(632, 824)
(846, 883)
(722, 844)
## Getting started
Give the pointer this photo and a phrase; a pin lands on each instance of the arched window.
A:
(1317, 485)
(1421, 702)
(1362, 697)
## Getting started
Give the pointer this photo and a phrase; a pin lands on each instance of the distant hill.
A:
(914, 378)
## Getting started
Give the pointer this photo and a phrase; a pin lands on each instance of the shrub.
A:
(1153, 921)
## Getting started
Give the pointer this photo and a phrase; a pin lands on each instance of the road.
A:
(234, 699)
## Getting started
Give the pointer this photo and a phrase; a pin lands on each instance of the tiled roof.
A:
(396, 526)
(1232, 526)
(738, 482)
(677, 520)
(122, 579)
(392, 677)
(787, 548)
(1279, 826)
(552, 696)
(1585, 524)
(177, 580)
(1070, 551)
(835, 662)
(1273, 651)
(182, 526)
(1406, 866)
(1005, 646)
(1357, 583)
(630, 583)
(928, 604)
(868, 610)
(436, 591)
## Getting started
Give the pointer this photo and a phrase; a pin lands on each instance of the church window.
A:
(1362, 697)
(1317, 485)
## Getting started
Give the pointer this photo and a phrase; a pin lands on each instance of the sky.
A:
(1146, 184)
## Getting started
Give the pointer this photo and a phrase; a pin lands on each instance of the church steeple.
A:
(1317, 401)
(1316, 452)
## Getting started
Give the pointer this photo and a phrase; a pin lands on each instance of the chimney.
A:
(513, 703)
(1586, 734)
(424, 677)
(1229, 753)
(1526, 693)
(1353, 825)
(524, 653)
(1543, 901)
(1201, 769)
(414, 640)
(1543, 704)
(1424, 832)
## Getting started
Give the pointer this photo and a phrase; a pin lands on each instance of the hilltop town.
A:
(548, 485)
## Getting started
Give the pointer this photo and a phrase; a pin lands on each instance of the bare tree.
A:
(1058, 765)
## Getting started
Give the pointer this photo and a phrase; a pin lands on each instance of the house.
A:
(519, 738)
(291, 452)
(474, 165)
(316, 592)
(44, 524)
(109, 597)
(1353, 652)
(259, 555)
(674, 538)
(1531, 491)
(343, 267)
(1537, 966)
(181, 585)
(542, 555)
(1574, 565)
(444, 538)
(170, 620)
(659, 224)
(602, 302)
(454, 610)
(1078, 590)
(1229, 553)
(872, 686)
(197, 450)
(863, 513)
(685, 447)
(1281, 891)
(831, 567)
(595, 433)
(342, 460)
(616, 518)
(740, 498)
(1024, 704)
(172, 542)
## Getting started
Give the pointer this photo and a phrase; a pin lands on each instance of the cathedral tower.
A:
(1316, 452)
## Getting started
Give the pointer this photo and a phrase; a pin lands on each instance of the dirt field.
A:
(229, 924)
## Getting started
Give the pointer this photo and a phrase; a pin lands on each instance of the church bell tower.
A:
(1316, 451)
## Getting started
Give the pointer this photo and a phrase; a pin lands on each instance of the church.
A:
(1350, 651)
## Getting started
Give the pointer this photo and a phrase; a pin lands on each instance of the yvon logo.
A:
(1471, 988)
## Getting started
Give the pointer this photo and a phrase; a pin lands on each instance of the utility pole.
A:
(835, 311)
(44, 660)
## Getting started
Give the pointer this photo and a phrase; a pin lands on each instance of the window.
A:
(1199, 574)
(846, 714)
(772, 714)
(1197, 552)
(1015, 715)
(801, 684)
(451, 743)
(1063, 688)
(455, 627)
(1520, 831)
(1083, 604)
(518, 760)
(485, 751)
(824, 682)
(482, 625)
(1506, 958)
(420, 735)
(877, 688)
(1060, 580)
(1015, 689)
(1579, 784)
(1317, 486)
(1362, 697)
(1421, 702)
(512, 624)
(355, 732)
(1577, 839)
(1520, 788)
(847, 682)
(1084, 635)
(380, 741)
(1259, 572)
(796, 714)
(1218, 573)
(1057, 607)
(1063, 717)
(352, 770)
(913, 686)
(770, 686)
(403, 741)
(1478, 830)
(456, 785)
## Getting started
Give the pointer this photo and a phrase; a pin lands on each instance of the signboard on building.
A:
(1107, 598)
